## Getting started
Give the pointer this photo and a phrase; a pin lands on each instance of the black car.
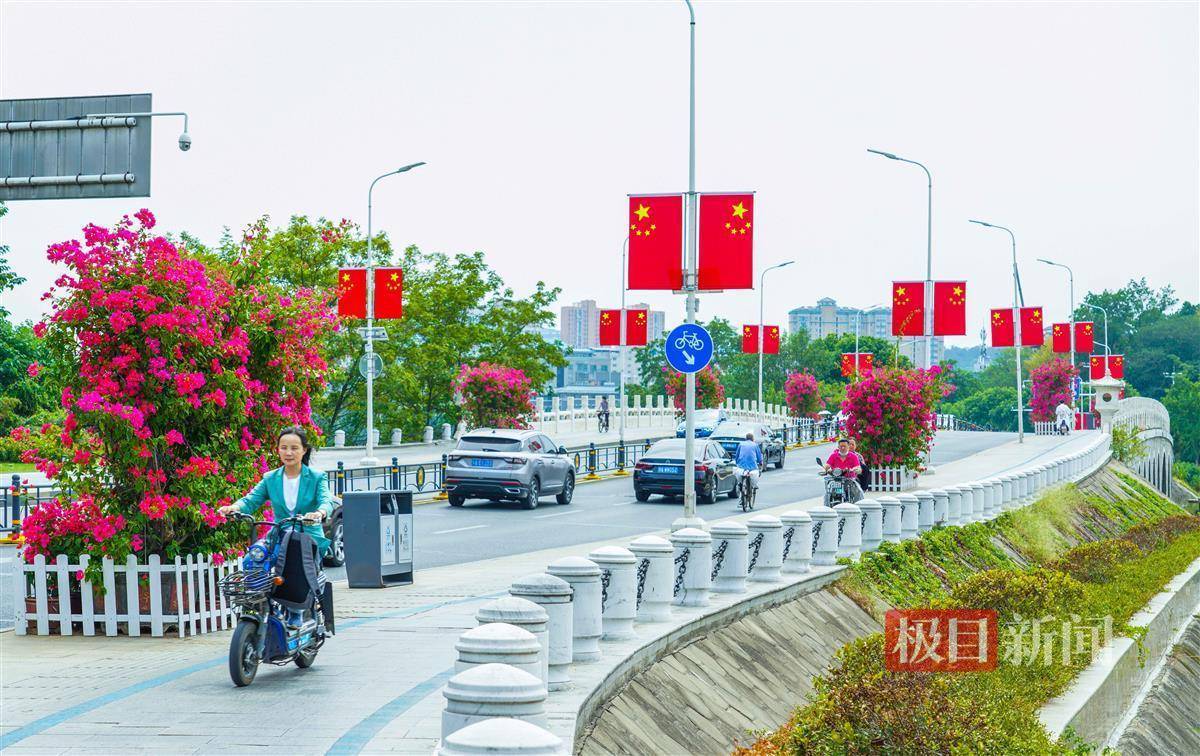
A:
(729, 435)
(660, 471)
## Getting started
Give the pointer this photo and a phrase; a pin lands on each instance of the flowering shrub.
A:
(710, 394)
(1051, 386)
(174, 375)
(803, 394)
(891, 413)
(494, 396)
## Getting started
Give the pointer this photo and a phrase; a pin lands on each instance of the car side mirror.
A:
(562, 450)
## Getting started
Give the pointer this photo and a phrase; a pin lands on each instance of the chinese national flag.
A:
(1061, 337)
(389, 293)
(1002, 327)
(352, 293)
(610, 328)
(950, 308)
(750, 339)
(1085, 339)
(771, 340)
(1031, 327)
(635, 327)
(908, 308)
(847, 364)
(726, 241)
(1096, 366)
(656, 242)
(1116, 366)
(865, 360)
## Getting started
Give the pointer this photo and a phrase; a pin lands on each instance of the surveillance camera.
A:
(185, 141)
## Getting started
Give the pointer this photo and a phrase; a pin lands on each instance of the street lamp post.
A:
(857, 319)
(1107, 351)
(1071, 295)
(1017, 302)
(624, 338)
(370, 459)
(928, 309)
(762, 282)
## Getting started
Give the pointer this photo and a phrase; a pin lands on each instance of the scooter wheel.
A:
(242, 664)
(306, 659)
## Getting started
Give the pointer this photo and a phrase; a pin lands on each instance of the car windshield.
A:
(707, 418)
(672, 447)
(489, 443)
(728, 431)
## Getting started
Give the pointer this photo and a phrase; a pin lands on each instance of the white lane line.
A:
(556, 514)
(458, 530)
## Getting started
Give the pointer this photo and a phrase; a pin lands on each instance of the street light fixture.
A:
(928, 308)
(370, 459)
(1071, 290)
(185, 139)
(1018, 300)
(762, 282)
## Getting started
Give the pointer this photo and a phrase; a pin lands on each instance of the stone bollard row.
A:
(824, 538)
(502, 736)
(655, 577)
(482, 692)
(797, 541)
(924, 511)
(941, 507)
(730, 556)
(553, 595)
(693, 565)
(528, 616)
(586, 625)
(872, 524)
(953, 505)
(909, 516)
(891, 518)
(765, 548)
(849, 530)
(618, 591)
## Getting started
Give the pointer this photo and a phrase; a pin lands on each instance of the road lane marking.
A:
(556, 514)
(457, 530)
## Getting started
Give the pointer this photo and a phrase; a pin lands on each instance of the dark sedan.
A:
(729, 435)
(660, 471)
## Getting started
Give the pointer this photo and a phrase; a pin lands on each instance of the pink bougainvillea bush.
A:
(710, 393)
(803, 394)
(1051, 386)
(175, 373)
(494, 396)
(892, 412)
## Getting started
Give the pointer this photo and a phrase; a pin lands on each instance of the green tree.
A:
(1130, 308)
(23, 398)
(1183, 402)
(990, 407)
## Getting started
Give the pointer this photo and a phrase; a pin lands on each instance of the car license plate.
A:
(481, 462)
(669, 470)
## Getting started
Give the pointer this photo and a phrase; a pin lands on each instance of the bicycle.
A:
(602, 418)
(747, 491)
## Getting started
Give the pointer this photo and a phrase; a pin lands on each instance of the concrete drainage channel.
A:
(570, 630)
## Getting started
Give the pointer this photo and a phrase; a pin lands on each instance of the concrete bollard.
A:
(447, 435)
(766, 558)
(427, 434)
(953, 505)
(995, 497)
(941, 506)
(526, 615)
(849, 530)
(339, 438)
(693, 567)
(397, 436)
(499, 643)
(729, 556)
(797, 541)
(492, 690)
(925, 510)
(586, 627)
(978, 501)
(872, 528)
(1021, 484)
(553, 595)
(375, 435)
(989, 500)
(908, 516)
(824, 523)
(655, 577)
(502, 736)
(618, 595)
(1006, 492)
(891, 518)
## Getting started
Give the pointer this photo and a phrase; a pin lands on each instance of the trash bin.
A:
(378, 535)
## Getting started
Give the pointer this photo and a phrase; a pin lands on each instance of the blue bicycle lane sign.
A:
(689, 348)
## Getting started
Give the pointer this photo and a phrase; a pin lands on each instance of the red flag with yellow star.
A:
(908, 308)
(389, 293)
(1031, 327)
(1002, 327)
(1116, 366)
(750, 339)
(1060, 338)
(635, 327)
(656, 242)
(949, 308)
(726, 231)
(1096, 366)
(352, 293)
(770, 339)
(610, 328)
(1085, 337)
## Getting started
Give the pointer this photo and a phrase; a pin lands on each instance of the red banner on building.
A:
(389, 293)
(1085, 337)
(656, 242)
(726, 242)
(352, 293)
(908, 308)
(610, 328)
(949, 308)
(636, 322)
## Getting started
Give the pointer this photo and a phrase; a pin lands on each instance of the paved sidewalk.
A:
(375, 687)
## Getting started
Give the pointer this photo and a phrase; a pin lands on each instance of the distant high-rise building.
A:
(580, 325)
(827, 319)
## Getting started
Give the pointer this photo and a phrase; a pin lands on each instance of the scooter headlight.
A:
(257, 553)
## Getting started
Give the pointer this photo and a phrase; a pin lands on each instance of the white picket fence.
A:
(892, 479)
(193, 582)
(1046, 428)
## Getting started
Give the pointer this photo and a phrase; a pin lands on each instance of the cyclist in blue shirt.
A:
(749, 459)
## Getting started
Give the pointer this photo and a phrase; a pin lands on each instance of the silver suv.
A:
(508, 465)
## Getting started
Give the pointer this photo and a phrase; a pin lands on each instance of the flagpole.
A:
(689, 518)
(1016, 330)
(624, 338)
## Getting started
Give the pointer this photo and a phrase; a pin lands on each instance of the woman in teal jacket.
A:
(293, 489)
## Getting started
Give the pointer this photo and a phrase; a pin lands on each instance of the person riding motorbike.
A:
(602, 413)
(849, 464)
(293, 489)
(749, 459)
(1063, 415)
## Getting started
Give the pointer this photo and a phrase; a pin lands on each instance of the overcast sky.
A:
(1076, 124)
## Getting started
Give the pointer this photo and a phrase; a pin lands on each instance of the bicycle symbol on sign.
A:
(689, 339)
